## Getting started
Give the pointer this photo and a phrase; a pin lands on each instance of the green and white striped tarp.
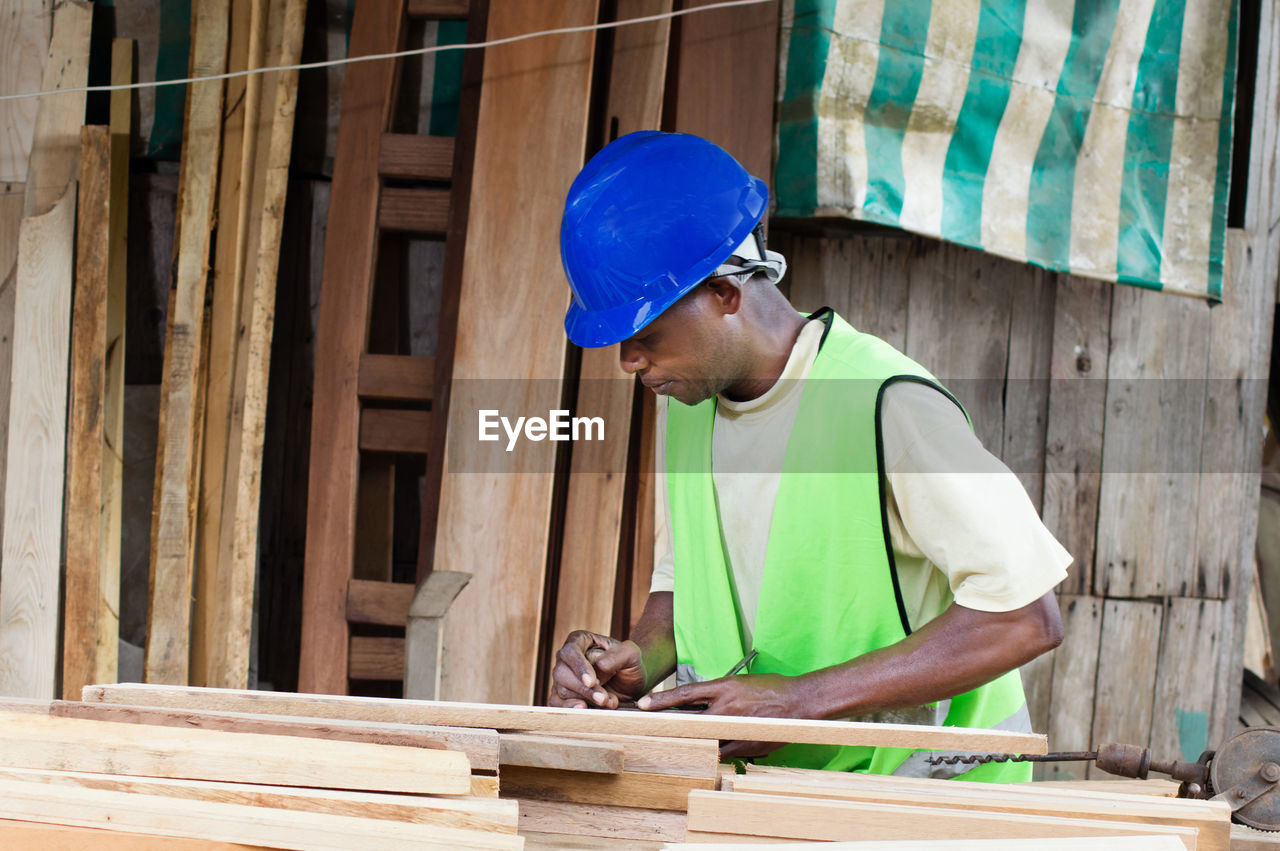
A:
(1092, 137)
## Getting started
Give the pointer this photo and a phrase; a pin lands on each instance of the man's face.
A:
(685, 353)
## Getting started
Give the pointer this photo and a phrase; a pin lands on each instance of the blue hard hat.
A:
(647, 219)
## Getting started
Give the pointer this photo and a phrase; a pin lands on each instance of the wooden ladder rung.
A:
(395, 431)
(439, 9)
(411, 156)
(424, 211)
(405, 378)
(376, 658)
(380, 603)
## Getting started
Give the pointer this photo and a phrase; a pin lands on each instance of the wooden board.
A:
(697, 839)
(1211, 819)
(662, 755)
(178, 448)
(1073, 439)
(23, 39)
(1026, 394)
(815, 819)
(36, 433)
(12, 198)
(861, 278)
(86, 447)
(562, 753)
(25, 834)
(44, 742)
(466, 813)
(530, 140)
(1075, 672)
(1189, 653)
(349, 258)
(548, 719)
(212, 820)
(632, 824)
(480, 746)
(628, 789)
(1126, 673)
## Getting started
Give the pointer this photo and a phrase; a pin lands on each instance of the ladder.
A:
(372, 405)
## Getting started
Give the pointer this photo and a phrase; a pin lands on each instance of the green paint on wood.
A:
(1193, 733)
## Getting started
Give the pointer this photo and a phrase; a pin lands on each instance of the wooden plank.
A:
(480, 746)
(1026, 407)
(1126, 673)
(863, 279)
(465, 813)
(398, 377)
(259, 826)
(627, 789)
(416, 157)
(20, 834)
(531, 750)
(632, 824)
(236, 213)
(1109, 784)
(439, 9)
(642, 558)
(382, 603)
(551, 719)
(816, 819)
(1151, 440)
(12, 198)
(376, 658)
(1189, 654)
(36, 420)
(172, 532)
(1075, 672)
(350, 253)
(420, 211)
(1077, 407)
(85, 511)
(1211, 819)
(531, 134)
(384, 430)
(24, 40)
(698, 839)
(107, 747)
(238, 538)
(662, 755)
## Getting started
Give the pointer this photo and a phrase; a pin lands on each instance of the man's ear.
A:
(726, 296)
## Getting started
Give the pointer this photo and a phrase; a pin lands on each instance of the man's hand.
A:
(596, 670)
(760, 695)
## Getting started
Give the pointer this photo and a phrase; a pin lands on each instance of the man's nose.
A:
(630, 358)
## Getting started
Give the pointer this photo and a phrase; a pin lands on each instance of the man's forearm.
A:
(956, 652)
(655, 635)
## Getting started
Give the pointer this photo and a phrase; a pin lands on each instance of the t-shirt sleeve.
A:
(664, 570)
(961, 507)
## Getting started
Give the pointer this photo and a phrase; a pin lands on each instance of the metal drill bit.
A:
(983, 759)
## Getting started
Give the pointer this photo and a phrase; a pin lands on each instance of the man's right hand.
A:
(596, 671)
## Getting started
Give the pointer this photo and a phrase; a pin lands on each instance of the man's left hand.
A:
(759, 695)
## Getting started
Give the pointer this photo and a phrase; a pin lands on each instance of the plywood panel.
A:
(530, 142)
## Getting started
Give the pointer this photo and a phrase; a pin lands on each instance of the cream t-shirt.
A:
(961, 526)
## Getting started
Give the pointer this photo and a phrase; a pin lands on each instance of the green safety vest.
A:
(829, 592)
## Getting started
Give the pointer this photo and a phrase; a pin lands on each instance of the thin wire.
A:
(417, 51)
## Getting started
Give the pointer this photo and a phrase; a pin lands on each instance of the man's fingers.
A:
(680, 696)
(573, 656)
(615, 658)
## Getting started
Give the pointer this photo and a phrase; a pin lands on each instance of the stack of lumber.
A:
(143, 781)
(768, 804)
(624, 775)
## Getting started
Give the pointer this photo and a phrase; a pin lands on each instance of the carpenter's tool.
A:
(1244, 772)
(595, 653)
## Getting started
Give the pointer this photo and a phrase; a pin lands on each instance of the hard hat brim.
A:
(593, 329)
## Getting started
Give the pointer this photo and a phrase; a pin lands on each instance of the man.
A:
(826, 511)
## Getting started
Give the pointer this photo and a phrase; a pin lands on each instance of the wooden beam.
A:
(480, 746)
(420, 211)
(663, 755)
(376, 658)
(24, 42)
(30, 581)
(465, 813)
(86, 447)
(238, 535)
(439, 9)
(415, 157)
(212, 820)
(395, 431)
(397, 377)
(28, 834)
(626, 789)
(632, 824)
(176, 492)
(531, 136)
(349, 257)
(382, 603)
(739, 813)
(698, 839)
(1075, 674)
(107, 747)
(549, 719)
(561, 753)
